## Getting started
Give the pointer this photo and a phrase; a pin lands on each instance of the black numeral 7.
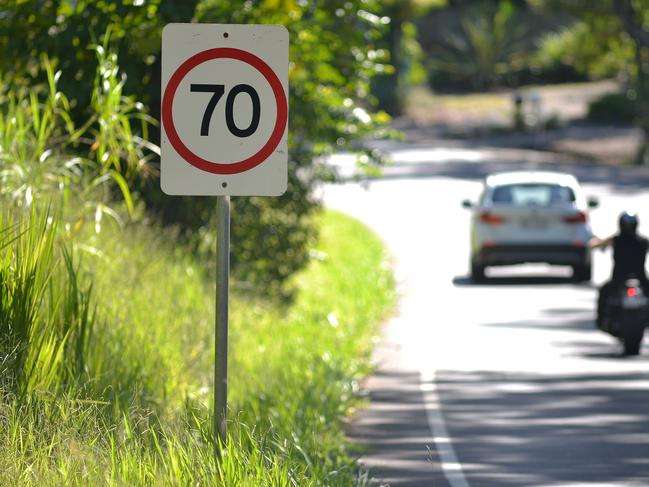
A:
(218, 91)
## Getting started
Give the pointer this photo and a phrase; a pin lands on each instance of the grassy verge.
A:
(123, 393)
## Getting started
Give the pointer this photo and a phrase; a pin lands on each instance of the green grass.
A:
(125, 361)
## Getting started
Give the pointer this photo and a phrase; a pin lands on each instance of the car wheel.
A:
(477, 272)
(582, 273)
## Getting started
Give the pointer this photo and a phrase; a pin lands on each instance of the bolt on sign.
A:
(224, 110)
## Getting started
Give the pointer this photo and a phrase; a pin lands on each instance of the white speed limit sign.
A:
(224, 109)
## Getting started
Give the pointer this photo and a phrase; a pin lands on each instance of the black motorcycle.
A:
(627, 315)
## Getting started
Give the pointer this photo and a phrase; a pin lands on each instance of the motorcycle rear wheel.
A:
(632, 338)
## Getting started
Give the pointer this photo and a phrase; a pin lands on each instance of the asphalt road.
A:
(503, 383)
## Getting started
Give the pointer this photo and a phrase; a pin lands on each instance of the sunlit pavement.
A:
(503, 383)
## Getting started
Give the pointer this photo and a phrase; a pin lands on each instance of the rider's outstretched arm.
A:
(598, 243)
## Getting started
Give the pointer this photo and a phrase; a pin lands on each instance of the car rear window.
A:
(532, 194)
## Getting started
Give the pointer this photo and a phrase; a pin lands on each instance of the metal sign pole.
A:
(221, 335)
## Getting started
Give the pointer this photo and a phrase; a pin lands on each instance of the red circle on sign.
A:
(280, 121)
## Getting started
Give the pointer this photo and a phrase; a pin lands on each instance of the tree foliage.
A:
(66, 30)
(610, 37)
(480, 44)
(580, 46)
(334, 53)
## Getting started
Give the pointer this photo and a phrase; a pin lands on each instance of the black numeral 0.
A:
(256, 111)
(218, 91)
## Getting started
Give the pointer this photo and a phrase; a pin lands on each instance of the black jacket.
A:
(629, 256)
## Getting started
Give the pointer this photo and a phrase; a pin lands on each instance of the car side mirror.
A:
(467, 204)
(593, 202)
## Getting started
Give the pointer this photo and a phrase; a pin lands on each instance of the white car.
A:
(528, 216)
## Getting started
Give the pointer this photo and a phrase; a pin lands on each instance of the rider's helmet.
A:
(628, 223)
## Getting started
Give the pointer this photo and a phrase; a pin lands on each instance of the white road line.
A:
(451, 467)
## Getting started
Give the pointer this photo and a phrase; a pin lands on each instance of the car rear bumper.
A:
(561, 254)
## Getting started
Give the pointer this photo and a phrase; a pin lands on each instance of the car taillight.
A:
(491, 219)
(631, 292)
(576, 218)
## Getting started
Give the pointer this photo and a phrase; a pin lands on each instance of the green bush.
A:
(614, 108)
(590, 50)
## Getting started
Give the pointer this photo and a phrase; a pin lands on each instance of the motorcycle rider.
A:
(629, 255)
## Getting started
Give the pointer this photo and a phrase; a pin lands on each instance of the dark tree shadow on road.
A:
(563, 311)
(571, 320)
(561, 319)
(532, 429)
(394, 434)
(598, 350)
(586, 324)
(461, 281)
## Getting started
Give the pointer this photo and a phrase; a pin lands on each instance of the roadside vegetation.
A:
(108, 350)
(106, 327)
(107, 286)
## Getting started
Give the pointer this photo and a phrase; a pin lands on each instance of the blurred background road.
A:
(503, 383)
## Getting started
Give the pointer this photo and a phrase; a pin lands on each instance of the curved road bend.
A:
(500, 384)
